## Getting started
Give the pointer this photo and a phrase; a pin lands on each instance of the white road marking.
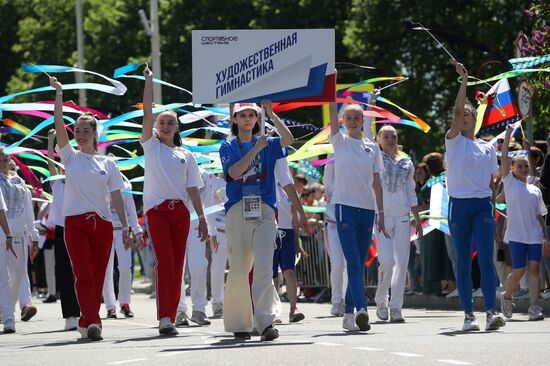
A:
(328, 344)
(455, 362)
(368, 349)
(406, 354)
(126, 361)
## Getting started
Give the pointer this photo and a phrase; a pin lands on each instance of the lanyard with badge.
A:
(252, 195)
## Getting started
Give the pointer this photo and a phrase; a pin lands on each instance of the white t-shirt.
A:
(3, 206)
(89, 180)
(470, 165)
(328, 181)
(284, 205)
(55, 215)
(169, 171)
(355, 163)
(524, 203)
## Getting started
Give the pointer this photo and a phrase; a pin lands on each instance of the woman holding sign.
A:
(172, 177)
(357, 193)
(471, 166)
(249, 167)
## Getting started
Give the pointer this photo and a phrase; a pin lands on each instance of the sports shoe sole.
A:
(94, 334)
(496, 325)
(271, 335)
(9, 331)
(29, 314)
(362, 321)
(170, 330)
(399, 320)
(297, 318)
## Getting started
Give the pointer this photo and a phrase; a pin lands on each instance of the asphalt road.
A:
(429, 337)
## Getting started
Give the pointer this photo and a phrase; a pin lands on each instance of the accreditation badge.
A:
(252, 208)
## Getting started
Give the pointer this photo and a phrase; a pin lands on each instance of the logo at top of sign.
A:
(218, 40)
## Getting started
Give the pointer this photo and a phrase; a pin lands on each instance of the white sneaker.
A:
(217, 310)
(382, 312)
(9, 326)
(396, 316)
(506, 306)
(199, 318)
(348, 322)
(545, 295)
(166, 327)
(94, 332)
(83, 332)
(470, 323)
(477, 293)
(362, 320)
(337, 309)
(71, 323)
(182, 320)
(452, 294)
(535, 312)
(494, 320)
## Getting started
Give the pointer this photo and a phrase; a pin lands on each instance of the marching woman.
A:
(525, 231)
(172, 177)
(13, 259)
(471, 166)
(357, 193)
(399, 200)
(248, 165)
(63, 267)
(91, 181)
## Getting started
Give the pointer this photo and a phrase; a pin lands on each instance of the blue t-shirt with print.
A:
(230, 153)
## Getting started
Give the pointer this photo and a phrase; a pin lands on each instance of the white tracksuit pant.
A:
(12, 271)
(393, 256)
(338, 273)
(124, 258)
(198, 266)
(49, 264)
(217, 269)
(25, 295)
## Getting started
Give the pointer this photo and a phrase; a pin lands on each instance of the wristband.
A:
(9, 236)
(126, 228)
(201, 217)
(59, 93)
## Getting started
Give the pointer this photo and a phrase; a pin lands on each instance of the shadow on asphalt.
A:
(231, 343)
(75, 342)
(454, 333)
(344, 334)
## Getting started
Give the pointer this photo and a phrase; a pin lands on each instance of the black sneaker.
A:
(241, 336)
(111, 314)
(269, 334)
(50, 299)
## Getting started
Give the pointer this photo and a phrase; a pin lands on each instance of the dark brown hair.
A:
(88, 117)
(177, 138)
(255, 130)
(434, 161)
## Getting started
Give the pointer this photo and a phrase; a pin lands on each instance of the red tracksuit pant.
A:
(89, 239)
(168, 225)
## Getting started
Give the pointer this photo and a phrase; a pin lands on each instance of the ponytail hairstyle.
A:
(177, 138)
(88, 117)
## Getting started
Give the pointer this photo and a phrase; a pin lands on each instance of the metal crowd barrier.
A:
(313, 272)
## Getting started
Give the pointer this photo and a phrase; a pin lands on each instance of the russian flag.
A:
(501, 109)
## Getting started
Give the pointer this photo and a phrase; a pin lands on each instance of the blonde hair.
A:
(468, 106)
(353, 107)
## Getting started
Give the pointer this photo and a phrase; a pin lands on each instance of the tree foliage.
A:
(368, 32)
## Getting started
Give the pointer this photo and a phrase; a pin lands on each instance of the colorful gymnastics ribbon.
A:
(506, 75)
(528, 62)
(117, 87)
(122, 72)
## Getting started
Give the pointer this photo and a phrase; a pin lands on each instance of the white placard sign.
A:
(249, 65)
